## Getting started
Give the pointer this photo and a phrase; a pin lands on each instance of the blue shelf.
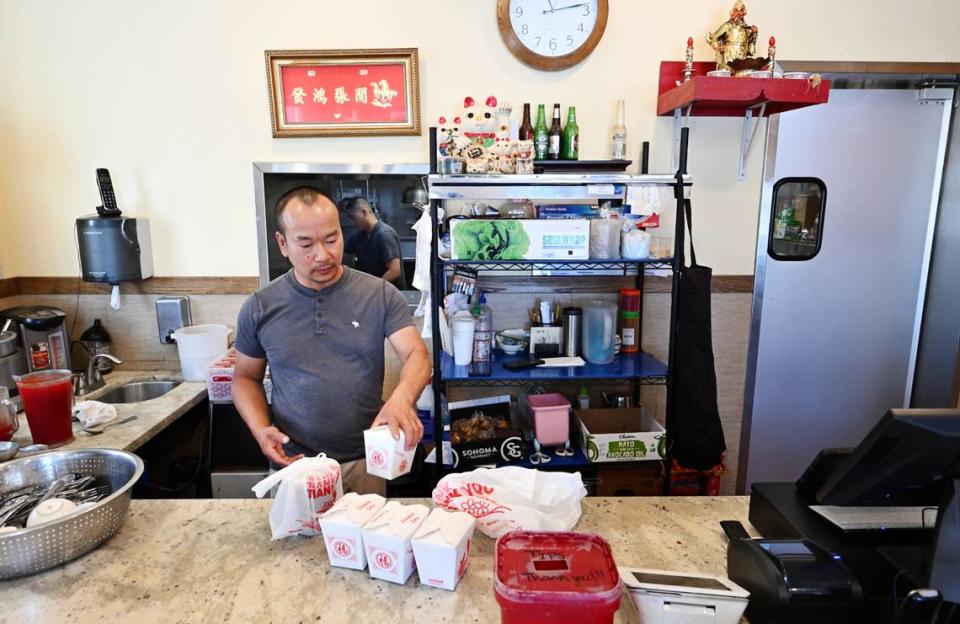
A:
(642, 367)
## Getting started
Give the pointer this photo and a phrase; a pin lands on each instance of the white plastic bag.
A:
(635, 243)
(511, 498)
(308, 487)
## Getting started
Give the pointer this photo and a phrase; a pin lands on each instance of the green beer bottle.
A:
(540, 135)
(571, 136)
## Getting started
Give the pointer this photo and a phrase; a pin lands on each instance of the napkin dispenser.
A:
(791, 580)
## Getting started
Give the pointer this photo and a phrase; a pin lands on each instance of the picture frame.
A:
(344, 93)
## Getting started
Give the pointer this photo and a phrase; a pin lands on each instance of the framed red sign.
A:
(343, 92)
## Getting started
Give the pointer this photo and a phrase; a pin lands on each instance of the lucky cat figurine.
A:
(479, 120)
(447, 135)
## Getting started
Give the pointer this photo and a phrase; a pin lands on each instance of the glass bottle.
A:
(526, 128)
(618, 139)
(571, 136)
(541, 136)
(556, 132)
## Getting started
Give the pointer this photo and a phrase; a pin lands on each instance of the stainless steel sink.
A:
(137, 391)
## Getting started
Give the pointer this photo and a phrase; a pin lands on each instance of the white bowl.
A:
(512, 341)
(49, 510)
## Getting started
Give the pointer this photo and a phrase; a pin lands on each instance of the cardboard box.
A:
(342, 528)
(520, 239)
(618, 479)
(567, 211)
(610, 435)
(505, 445)
(386, 540)
(387, 457)
(441, 547)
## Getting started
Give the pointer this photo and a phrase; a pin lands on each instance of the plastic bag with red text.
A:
(511, 498)
(308, 487)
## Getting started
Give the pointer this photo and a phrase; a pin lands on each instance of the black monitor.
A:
(907, 459)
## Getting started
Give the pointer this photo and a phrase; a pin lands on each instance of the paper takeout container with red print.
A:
(387, 457)
(441, 547)
(343, 528)
(386, 539)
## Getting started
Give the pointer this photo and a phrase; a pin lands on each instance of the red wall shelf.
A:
(731, 97)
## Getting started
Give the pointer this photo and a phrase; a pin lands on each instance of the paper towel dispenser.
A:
(114, 249)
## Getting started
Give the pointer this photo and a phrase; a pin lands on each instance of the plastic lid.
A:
(575, 568)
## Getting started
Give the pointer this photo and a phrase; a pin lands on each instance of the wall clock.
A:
(552, 34)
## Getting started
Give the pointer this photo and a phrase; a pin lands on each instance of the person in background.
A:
(375, 244)
(321, 328)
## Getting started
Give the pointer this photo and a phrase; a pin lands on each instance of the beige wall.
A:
(171, 96)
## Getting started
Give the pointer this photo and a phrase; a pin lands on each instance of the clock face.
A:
(553, 28)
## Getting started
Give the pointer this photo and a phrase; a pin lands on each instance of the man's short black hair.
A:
(355, 203)
(307, 195)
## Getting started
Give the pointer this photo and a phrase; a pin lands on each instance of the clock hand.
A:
(572, 6)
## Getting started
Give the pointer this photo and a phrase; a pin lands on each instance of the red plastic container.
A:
(555, 578)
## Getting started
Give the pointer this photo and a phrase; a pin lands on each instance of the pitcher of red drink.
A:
(48, 402)
(8, 419)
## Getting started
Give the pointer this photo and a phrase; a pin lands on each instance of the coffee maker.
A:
(42, 332)
(11, 361)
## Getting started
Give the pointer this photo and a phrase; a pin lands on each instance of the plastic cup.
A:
(463, 329)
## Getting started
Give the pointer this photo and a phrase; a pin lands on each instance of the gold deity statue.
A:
(735, 39)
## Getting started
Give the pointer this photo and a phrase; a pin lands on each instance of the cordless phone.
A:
(109, 207)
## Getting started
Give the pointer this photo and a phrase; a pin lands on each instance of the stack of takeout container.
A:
(393, 540)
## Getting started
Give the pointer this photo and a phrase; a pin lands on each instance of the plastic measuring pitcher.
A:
(599, 328)
(48, 402)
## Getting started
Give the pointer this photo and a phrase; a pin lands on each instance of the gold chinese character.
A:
(297, 95)
(340, 95)
(360, 95)
(382, 94)
(319, 95)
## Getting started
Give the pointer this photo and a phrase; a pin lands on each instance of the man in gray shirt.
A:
(375, 244)
(321, 328)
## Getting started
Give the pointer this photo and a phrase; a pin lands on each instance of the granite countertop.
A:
(152, 416)
(213, 561)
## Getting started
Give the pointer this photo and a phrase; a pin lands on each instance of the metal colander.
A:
(48, 545)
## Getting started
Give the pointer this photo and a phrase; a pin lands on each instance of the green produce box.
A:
(611, 435)
(520, 239)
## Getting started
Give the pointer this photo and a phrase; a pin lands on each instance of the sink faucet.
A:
(92, 380)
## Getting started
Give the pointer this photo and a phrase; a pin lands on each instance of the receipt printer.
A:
(683, 598)
(791, 580)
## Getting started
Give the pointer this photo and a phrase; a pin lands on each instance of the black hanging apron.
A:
(696, 434)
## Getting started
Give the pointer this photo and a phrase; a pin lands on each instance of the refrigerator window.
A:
(796, 226)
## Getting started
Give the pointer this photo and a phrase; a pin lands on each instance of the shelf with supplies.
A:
(551, 186)
(623, 264)
(636, 370)
(641, 367)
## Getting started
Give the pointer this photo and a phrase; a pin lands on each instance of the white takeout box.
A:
(386, 457)
(386, 539)
(342, 528)
(441, 547)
